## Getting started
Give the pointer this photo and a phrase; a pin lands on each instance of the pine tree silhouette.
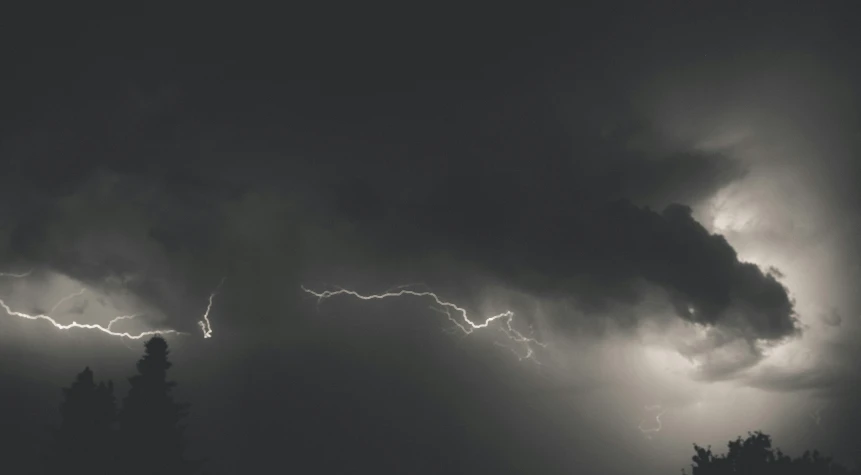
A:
(85, 439)
(150, 433)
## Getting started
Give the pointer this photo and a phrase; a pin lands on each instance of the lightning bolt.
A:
(65, 299)
(106, 329)
(17, 276)
(121, 317)
(88, 326)
(648, 431)
(817, 414)
(463, 323)
(205, 324)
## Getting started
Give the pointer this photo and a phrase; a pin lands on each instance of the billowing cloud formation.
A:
(563, 232)
(576, 241)
(360, 163)
(554, 213)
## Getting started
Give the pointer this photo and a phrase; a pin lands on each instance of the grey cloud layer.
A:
(558, 228)
(553, 212)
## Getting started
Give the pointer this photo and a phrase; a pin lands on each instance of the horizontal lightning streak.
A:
(17, 276)
(465, 324)
(204, 324)
(88, 326)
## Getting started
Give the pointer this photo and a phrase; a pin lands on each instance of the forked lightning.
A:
(204, 324)
(465, 324)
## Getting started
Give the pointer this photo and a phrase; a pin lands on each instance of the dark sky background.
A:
(665, 192)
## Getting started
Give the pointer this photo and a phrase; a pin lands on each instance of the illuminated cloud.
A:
(673, 187)
(596, 253)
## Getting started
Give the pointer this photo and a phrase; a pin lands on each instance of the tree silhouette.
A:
(84, 440)
(150, 433)
(754, 455)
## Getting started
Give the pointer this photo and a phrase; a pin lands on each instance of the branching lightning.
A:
(65, 299)
(464, 324)
(649, 431)
(204, 324)
(817, 414)
(89, 326)
(121, 317)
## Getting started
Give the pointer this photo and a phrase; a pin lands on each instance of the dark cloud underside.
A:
(559, 154)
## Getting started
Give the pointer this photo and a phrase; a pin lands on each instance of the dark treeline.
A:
(755, 456)
(143, 436)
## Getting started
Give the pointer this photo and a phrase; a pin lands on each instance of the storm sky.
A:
(664, 195)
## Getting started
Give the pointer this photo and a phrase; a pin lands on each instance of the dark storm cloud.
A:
(578, 241)
(551, 210)
(358, 153)
(777, 273)
(565, 213)
(629, 159)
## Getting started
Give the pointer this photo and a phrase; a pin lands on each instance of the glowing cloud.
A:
(88, 326)
(204, 324)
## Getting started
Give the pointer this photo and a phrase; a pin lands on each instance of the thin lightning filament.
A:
(204, 324)
(649, 431)
(466, 325)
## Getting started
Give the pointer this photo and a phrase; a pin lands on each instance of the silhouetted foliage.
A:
(84, 441)
(150, 433)
(754, 455)
(144, 437)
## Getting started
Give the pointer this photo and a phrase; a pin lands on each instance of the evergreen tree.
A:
(150, 434)
(84, 440)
